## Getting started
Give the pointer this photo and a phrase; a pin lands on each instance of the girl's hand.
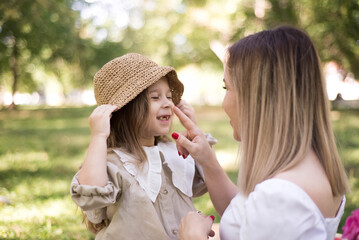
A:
(193, 141)
(188, 110)
(195, 225)
(99, 120)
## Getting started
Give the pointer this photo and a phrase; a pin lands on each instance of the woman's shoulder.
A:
(282, 194)
(278, 206)
(278, 209)
(275, 197)
(310, 179)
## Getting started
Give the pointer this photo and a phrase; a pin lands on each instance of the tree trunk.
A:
(15, 73)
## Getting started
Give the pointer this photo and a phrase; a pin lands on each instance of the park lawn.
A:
(41, 149)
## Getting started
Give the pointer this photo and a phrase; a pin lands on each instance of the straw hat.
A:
(122, 79)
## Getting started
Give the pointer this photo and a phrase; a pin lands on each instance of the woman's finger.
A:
(184, 153)
(183, 142)
(211, 233)
(185, 121)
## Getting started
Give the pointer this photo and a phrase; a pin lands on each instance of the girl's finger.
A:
(110, 109)
(105, 109)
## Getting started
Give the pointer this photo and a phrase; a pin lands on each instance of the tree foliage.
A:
(333, 25)
(52, 36)
(42, 35)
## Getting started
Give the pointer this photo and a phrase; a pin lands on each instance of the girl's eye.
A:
(154, 97)
(224, 87)
(170, 97)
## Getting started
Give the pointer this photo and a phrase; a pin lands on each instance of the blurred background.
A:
(50, 51)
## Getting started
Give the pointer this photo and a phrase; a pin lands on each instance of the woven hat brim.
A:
(124, 96)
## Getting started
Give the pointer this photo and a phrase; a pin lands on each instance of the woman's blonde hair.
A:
(283, 107)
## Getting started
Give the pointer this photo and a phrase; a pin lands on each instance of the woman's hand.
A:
(221, 189)
(195, 225)
(99, 120)
(188, 110)
(193, 141)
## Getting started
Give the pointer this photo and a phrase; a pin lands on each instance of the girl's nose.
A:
(168, 103)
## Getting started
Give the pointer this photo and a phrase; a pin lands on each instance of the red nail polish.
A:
(179, 154)
(212, 217)
(175, 135)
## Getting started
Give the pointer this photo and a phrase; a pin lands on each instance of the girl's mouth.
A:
(164, 117)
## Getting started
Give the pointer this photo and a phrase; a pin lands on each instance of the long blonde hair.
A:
(283, 107)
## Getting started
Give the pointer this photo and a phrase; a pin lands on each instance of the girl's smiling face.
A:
(160, 111)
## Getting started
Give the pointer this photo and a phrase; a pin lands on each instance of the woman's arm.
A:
(93, 171)
(220, 187)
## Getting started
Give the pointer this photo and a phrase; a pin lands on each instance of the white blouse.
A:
(149, 175)
(280, 210)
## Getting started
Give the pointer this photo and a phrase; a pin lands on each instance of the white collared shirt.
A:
(148, 174)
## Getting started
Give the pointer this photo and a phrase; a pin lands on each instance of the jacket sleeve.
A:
(210, 139)
(199, 186)
(90, 198)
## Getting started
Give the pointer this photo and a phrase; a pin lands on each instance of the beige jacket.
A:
(125, 203)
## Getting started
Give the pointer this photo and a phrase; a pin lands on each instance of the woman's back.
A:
(310, 176)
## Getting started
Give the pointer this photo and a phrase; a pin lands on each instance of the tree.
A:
(332, 24)
(37, 34)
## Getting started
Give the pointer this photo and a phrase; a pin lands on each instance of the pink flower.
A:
(351, 226)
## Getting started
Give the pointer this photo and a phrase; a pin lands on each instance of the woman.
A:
(291, 182)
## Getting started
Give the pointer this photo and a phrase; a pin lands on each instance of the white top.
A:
(149, 174)
(280, 210)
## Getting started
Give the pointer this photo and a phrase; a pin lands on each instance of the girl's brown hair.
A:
(127, 126)
(283, 107)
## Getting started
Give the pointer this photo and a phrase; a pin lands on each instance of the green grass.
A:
(41, 149)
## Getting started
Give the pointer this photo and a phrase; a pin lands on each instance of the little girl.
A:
(133, 184)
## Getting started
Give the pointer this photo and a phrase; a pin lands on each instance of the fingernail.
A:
(212, 217)
(175, 135)
(185, 157)
(179, 154)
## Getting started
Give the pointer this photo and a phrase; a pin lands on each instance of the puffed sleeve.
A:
(280, 212)
(94, 197)
(210, 139)
(199, 186)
